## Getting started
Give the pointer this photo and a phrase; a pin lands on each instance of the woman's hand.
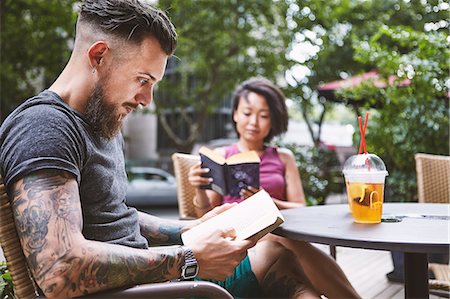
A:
(247, 192)
(195, 176)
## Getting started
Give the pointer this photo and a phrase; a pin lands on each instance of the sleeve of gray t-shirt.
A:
(40, 137)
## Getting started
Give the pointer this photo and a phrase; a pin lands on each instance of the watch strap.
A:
(189, 269)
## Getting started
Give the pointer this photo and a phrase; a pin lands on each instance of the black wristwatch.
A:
(190, 267)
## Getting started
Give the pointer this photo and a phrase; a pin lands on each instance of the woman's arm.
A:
(204, 200)
(295, 195)
(294, 190)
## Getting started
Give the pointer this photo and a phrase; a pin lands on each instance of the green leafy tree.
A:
(221, 43)
(327, 28)
(413, 113)
(35, 41)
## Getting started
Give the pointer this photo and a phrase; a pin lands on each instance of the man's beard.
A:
(101, 115)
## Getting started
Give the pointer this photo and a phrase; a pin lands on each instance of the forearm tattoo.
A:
(159, 231)
(48, 217)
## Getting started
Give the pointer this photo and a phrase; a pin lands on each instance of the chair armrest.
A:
(168, 290)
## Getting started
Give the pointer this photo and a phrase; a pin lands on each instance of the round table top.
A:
(424, 228)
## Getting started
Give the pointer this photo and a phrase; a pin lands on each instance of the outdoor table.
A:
(422, 228)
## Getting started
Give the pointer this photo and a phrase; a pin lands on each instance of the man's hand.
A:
(218, 253)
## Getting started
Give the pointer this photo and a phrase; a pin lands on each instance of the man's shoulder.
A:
(45, 107)
(45, 102)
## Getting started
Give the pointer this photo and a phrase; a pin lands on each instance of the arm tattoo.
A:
(159, 231)
(48, 218)
(32, 212)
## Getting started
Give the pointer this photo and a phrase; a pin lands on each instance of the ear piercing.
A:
(93, 70)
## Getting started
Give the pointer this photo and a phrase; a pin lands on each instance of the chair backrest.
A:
(185, 191)
(433, 178)
(24, 286)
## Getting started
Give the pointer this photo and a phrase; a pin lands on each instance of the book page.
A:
(248, 218)
(216, 157)
(245, 157)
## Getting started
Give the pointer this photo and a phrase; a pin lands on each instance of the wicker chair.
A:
(433, 186)
(185, 192)
(25, 286)
(433, 178)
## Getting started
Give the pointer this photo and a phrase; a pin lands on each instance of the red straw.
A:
(362, 130)
(362, 135)
(368, 164)
(366, 121)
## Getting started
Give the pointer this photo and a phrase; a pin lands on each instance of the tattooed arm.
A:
(48, 217)
(162, 231)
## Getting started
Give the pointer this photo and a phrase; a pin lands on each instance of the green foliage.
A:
(34, 37)
(221, 43)
(412, 117)
(330, 29)
(331, 26)
(320, 172)
(6, 285)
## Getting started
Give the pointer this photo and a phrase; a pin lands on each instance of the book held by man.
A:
(256, 216)
(232, 174)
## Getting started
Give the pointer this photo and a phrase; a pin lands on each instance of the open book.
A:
(256, 216)
(232, 174)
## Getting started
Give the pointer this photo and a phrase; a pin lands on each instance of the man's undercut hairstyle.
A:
(130, 20)
(275, 99)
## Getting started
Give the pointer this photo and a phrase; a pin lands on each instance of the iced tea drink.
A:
(364, 178)
(365, 201)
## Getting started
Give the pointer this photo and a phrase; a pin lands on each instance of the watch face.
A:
(190, 268)
(191, 271)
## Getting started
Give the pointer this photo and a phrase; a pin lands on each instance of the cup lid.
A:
(365, 163)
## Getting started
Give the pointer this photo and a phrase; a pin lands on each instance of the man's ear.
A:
(96, 52)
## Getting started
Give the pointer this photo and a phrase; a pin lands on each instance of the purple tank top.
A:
(271, 176)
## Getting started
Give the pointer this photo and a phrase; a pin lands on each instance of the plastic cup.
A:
(365, 177)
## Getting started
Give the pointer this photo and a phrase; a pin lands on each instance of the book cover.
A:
(232, 174)
(256, 216)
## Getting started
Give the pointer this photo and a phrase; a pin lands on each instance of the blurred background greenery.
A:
(300, 44)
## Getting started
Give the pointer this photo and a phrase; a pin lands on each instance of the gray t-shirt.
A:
(46, 133)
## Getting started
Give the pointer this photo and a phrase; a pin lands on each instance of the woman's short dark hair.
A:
(275, 100)
(132, 20)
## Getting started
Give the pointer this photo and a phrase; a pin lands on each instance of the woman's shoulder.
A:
(285, 154)
(281, 150)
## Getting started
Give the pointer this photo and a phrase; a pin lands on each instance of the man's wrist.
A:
(189, 267)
